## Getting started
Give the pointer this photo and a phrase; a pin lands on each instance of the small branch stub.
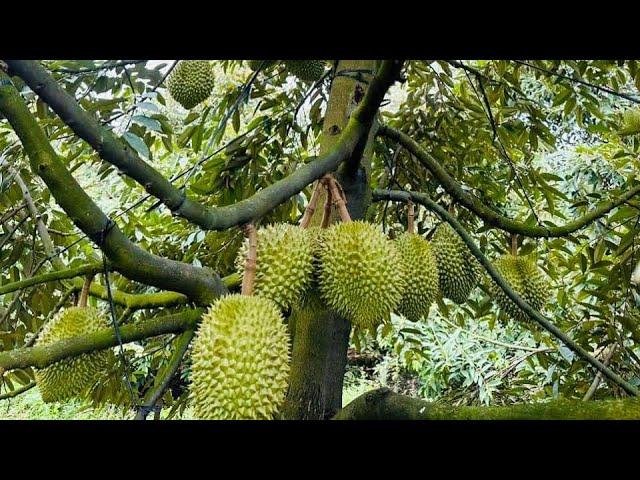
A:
(249, 276)
(411, 217)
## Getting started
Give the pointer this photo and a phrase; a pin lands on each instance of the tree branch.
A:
(112, 150)
(201, 285)
(491, 217)
(162, 381)
(383, 404)
(502, 283)
(17, 391)
(45, 355)
(52, 276)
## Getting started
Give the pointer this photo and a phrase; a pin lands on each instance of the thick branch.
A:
(490, 216)
(112, 150)
(201, 285)
(383, 404)
(502, 283)
(43, 356)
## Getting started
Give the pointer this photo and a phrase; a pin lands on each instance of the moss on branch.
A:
(43, 356)
(504, 285)
(116, 152)
(383, 404)
(199, 284)
(490, 216)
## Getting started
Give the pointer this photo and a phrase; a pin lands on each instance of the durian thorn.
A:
(514, 244)
(411, 217)
(248, 279)
(84, 294)
(311, 206)
(338, 197)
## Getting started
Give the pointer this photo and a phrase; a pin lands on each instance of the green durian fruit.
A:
(240, 360)
(362, 275)
(422, 276)
(526, 279)
(306, 70)
(191, 82)
(255, 64)
(458, 270)
(284, 264)
(630, 122)
(72, 377)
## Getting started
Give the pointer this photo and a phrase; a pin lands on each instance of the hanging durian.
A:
(285, 263)
(191, 82)
(306, 70)
(422, 276)
(458, 269)
(240, 358)
(72, 377)
(362, 275)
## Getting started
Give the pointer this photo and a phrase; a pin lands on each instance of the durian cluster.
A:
(526, 279)
(191, 82)
(72, 377)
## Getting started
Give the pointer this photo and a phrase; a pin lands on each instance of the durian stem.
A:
(514, 244)
(411, 217)
(326, 214)
(84, 293)
(311, 207)
(338, 197)
(249, 276)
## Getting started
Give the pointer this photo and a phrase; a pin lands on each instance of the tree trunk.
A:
(321, 338)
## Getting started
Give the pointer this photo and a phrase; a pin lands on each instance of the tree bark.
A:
(321, 339)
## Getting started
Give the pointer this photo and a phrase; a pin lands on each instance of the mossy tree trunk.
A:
(320, 336)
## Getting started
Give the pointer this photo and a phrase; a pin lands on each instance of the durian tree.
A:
(368, 191)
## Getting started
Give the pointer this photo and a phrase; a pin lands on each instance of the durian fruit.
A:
(72, 377)
(284, 265)
(240, 359)
(458, 270)
(306, 70)
(422, 276)
(630, 122)
(255, 64)
(362, 275)
(191, 82)
(526, 279)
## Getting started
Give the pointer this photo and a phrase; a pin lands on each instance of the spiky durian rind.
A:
(240, 360)
(72, 377)
(306, 70)
(362, 275)
(284, 264)
(458, 269)
(191, 82)
(256, 64)
(422, 276)
(526, 279)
